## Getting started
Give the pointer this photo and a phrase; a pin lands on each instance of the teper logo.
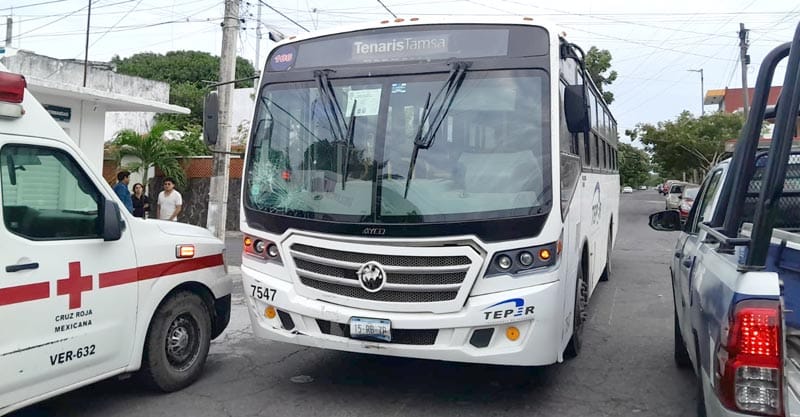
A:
(597, 206)
(516, 308)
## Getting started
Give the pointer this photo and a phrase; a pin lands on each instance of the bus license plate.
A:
(375, 329)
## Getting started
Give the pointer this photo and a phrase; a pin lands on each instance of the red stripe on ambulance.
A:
(23, 293)
(73, 286)
(127, 276)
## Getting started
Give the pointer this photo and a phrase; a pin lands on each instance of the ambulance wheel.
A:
(177, 343)
(579, 314)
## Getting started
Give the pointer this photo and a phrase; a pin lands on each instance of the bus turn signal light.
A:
(544, 254)
(269, 312)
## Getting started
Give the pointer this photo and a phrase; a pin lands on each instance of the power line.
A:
(32, 4)
(387, 9)
(62, 17)
(115, 24)
(284, 16)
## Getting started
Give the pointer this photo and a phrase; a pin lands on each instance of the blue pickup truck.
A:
(736, 265)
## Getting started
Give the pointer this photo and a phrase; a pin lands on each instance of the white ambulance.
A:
(87, 291)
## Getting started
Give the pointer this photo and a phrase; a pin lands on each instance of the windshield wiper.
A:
(424, 138)
(348, 144)
(342, 130)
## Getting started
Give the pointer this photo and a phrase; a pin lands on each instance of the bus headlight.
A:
(261, 249)
(504, 262)
(519, 260)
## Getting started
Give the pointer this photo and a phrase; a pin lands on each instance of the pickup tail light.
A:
(749, 366)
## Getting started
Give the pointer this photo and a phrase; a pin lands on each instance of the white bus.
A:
(431, 189)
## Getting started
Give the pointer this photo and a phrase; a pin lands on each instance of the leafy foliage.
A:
(598, 62)
(152, 150)
(688, 143)
(634, 165)
(187, 73)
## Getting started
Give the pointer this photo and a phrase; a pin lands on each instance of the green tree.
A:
(687, 143)
(188, 74)
(152, 150)
(634, 165)
(598, 64)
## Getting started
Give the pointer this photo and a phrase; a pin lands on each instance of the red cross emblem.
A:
(74, 285)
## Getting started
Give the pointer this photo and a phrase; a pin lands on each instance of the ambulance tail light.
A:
(749, 365)
(184, 251)
(12, 87)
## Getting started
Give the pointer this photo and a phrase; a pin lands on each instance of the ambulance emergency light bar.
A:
(12, 91)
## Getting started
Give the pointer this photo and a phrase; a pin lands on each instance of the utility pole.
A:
(702, 92)
(745, 59)
(218, 192)
(86, 49)
(258, 39)
(9, 32)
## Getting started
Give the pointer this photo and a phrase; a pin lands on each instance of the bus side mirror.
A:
(575, 109)
(211, 118)
(112, 223)
(666, 221)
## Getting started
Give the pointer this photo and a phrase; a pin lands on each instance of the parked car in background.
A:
(664, 189)
(643, 187)
(687, 200)
(627, 189)
(675, 195)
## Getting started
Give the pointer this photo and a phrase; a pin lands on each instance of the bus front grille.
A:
(409, 279)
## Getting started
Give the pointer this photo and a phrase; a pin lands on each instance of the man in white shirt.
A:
(169, 201)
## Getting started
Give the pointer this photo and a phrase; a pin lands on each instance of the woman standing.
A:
(141, 203)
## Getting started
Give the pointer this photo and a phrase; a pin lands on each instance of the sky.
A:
(654, 45)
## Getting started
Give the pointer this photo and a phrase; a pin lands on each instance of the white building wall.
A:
(100, 77)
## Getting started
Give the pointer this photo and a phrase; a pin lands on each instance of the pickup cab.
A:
(88, 291)
(736, 265)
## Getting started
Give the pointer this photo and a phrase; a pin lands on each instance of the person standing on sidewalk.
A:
(141, 203)
(122, 191)
(169, 201)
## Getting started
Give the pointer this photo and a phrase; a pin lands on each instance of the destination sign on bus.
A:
(394, 46)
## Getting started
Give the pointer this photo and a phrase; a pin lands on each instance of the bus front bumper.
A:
(522, 327)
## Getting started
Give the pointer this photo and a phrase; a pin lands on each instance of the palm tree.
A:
(152, 150)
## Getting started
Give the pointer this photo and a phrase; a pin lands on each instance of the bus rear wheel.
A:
(579, 316)
(609, 248)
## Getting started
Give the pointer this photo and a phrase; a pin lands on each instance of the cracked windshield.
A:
(333, 156)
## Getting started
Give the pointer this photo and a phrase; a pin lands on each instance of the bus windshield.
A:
(488, 159)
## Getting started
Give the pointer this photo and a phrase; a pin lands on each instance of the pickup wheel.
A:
(579, 316)
(177, 343)
(682, 359)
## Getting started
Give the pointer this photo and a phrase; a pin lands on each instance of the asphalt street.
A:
(625, 368)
